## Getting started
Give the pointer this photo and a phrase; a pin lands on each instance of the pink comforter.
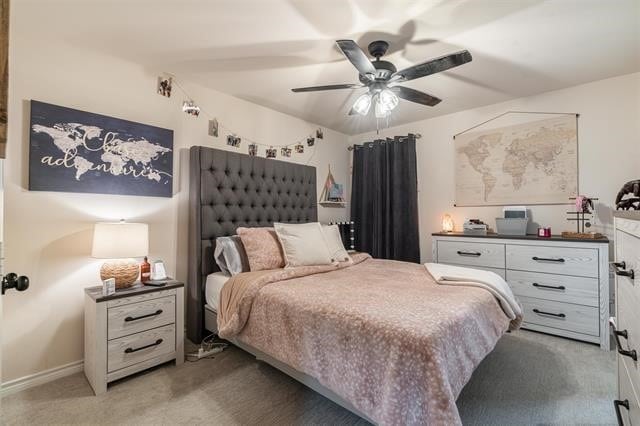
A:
(381, 334)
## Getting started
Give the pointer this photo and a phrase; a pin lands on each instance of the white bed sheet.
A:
(213, 287)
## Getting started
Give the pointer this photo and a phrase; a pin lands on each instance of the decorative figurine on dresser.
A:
(628, 197)
(562, 283)
(626, 324)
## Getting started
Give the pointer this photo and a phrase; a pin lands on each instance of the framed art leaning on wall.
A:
(78, 151)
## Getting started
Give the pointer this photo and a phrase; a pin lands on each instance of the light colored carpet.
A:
(529, 378)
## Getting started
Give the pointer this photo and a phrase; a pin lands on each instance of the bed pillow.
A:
(230, 255)
(334, 243)
(262, 247)
(303, 244)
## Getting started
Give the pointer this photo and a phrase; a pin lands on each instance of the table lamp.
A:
(120, 242)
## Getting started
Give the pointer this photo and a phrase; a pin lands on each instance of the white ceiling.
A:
(259, 49)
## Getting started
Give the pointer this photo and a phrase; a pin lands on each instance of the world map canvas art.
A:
(77, 151)
(534, 162)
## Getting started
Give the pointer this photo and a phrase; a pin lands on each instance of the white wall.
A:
(48, 235)
(609, 152)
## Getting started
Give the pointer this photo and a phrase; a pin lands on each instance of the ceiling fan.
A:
(382, 78)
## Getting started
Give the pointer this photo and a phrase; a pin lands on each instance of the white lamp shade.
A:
(120, 240)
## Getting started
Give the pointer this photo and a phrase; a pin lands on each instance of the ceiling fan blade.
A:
(434, 66)
(357, 57)
(415, 96)
(328, 87)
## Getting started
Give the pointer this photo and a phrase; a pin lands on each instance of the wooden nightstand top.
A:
(96, 292)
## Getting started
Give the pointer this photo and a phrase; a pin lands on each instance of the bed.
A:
(378, 337)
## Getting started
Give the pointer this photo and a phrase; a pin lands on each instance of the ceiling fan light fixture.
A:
(362, 104)
(388, 99)
(381, 110)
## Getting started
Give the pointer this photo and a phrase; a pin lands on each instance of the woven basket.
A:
(125, 272)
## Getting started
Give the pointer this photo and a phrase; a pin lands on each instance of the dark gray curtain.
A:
(384, 199)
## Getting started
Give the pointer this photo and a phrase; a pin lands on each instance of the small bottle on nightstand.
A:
(145, 271)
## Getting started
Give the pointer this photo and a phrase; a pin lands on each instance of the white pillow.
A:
(303, 244)
(334, 243)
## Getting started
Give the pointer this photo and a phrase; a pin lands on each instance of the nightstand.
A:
(131, 330)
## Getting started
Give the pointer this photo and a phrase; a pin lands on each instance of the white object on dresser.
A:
(563, 284)
(626, 325)
(131, 330)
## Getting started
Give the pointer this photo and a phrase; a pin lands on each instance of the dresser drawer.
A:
(554, 260)
(498, 271)
(471, 254)
(561, 288)
(626, 392)
(563, 316)
(136, 317)
(628, 319)
(628, 250)
(130, 350)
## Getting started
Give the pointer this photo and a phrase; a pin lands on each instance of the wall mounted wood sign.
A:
(77, 151)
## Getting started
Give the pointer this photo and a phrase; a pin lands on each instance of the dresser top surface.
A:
(96, 292)
(531, 237)
(627, 214)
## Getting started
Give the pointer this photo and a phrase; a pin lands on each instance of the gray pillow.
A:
(230, 255)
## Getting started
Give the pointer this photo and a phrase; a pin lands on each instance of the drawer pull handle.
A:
(625, 334)
(129, 319)
(548, 259)
(620, 270)
(131, 350)
(469, 253)
(617, 403)
(621, 265)
(539, 312)
(552, 287)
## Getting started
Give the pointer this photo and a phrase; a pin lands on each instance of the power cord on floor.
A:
(208, 348)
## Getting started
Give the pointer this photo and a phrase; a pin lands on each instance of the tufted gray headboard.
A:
(228, 190)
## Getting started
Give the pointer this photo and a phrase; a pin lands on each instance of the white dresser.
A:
(626, 325)
(563, 284)
(131, 330)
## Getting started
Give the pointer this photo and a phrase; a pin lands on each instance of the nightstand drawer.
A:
(134, 318)
(140, 347)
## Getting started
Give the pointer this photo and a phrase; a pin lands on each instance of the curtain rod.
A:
(417, 135)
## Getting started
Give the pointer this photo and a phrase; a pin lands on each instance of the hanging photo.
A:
(311, 141)
(285, 151)
(191, 108)
(299, 148)
(233, 141)
(165, 83)
(253, 149)
(213, 128)
(272, 152)
(319, 134)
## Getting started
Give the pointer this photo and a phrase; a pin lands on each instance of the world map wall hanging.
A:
(78, 151)
(527, 162)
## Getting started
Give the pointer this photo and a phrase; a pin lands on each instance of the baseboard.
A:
(40, 378)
